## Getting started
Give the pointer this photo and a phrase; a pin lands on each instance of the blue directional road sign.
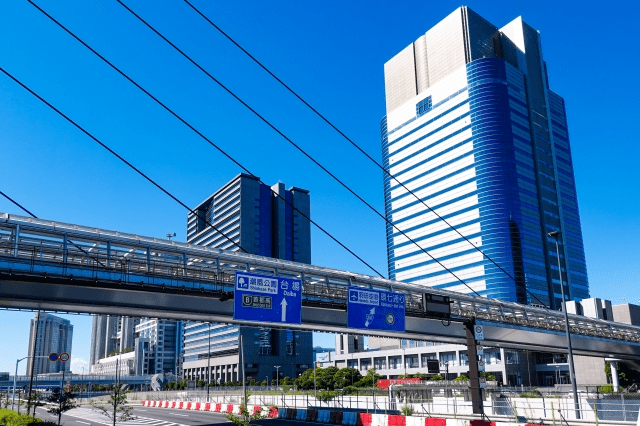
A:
(375, 310)
(265, 298)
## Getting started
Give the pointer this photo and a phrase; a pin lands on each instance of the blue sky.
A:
(332, 53)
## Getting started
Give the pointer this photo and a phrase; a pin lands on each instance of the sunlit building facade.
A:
(251, 215)
(473, 129)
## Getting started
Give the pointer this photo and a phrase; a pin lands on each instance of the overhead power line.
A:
(253, 111)
(298, 147)
(118, 156)
(18, 205)
(348, 139)
(204, 138)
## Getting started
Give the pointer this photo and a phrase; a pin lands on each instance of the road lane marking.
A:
(176, 414)
(83, 422)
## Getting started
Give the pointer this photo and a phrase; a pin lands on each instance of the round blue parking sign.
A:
(53, 356)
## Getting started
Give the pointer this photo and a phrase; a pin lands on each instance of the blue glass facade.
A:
(486, 147)
(250, 214)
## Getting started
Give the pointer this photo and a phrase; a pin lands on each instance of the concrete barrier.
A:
(301, 414)
(379, 420)
(312, 415)
(324, 416)
(349, 418)
(363, 419)
(273, 412)
(393, 420)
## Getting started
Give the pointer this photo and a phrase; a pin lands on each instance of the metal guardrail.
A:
(167, 263)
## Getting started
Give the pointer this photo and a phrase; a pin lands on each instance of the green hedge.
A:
(11, 418)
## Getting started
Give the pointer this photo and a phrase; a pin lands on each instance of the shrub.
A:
(406, 410)
(608, 388)
(327, 395)
(349, 390)
(11, 418)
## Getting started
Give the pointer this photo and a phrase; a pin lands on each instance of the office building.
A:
(474, 130)
(251, 215)
(54, 334)
(110, 335)
(393, 358)
(135, 346)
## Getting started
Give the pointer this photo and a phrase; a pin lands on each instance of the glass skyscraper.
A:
(474, 130)
(54, 334)
(249, 214)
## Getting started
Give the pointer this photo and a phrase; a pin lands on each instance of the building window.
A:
(423, 107)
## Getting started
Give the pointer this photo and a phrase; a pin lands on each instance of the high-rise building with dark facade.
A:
(54, 334)
(251, 215)
(474, 130)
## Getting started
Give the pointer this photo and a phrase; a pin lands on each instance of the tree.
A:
(370, 380)
(200, 383)
(4, 398)
(62, 400)
(263, 383)
(626, 375)
(325, 377)
(116, 409)
(305, 381)
(34, 400)
(286, 380)
(346, 377)
(19, 399)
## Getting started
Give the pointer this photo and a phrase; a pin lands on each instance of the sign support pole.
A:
(244, 380)
(474, 377)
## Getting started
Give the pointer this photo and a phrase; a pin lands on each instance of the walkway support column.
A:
(614, 376)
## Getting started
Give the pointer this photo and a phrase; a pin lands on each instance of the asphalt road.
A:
(148, 416)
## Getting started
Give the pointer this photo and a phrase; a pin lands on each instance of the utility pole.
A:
(33, 359)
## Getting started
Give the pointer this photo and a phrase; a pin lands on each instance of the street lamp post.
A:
(404, 360)
(13, 398)
(277, 367)
(208, 361)
(555, 235)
